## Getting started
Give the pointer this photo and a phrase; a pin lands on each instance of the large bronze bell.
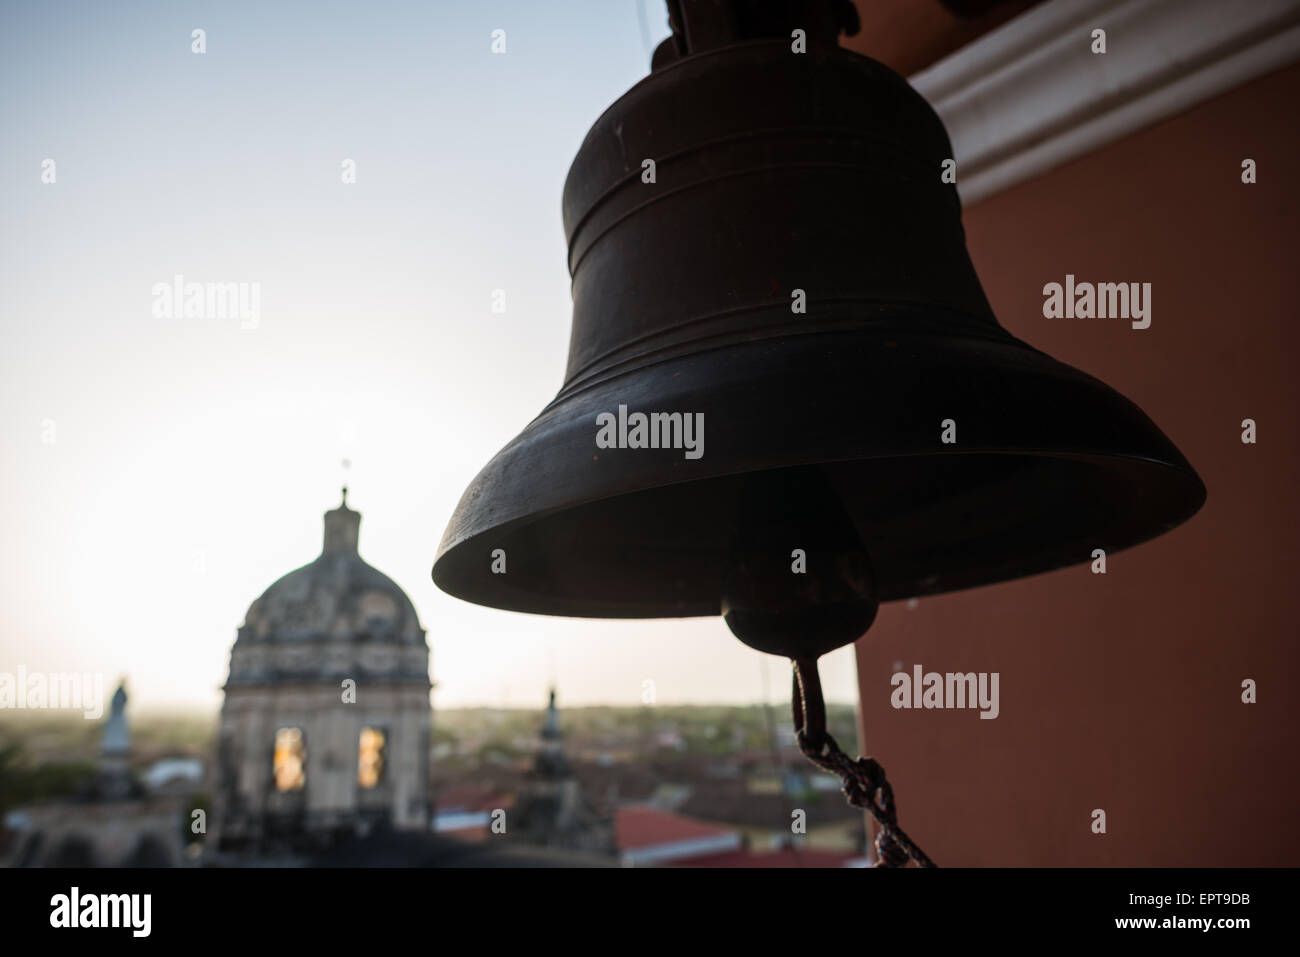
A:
(782, 177)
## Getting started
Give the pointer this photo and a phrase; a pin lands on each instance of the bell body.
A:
(793, 283)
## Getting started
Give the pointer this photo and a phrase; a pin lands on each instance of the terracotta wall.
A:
(1123, 691)
(909, 35)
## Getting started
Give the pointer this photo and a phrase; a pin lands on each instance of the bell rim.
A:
(481, 520)
(540, 604)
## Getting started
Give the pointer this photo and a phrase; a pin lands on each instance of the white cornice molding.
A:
(1032, 94)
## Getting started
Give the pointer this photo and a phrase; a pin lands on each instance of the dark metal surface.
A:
(778, 172)
(702, 25)
(830, 601)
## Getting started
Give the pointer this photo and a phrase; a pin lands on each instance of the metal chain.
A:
(865, 784)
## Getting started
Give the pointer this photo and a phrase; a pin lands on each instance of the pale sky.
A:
(160, 473)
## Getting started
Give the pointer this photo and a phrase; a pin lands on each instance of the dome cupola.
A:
(335, 617)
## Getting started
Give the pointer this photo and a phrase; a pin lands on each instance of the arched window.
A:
(290, 760)
(370, 763)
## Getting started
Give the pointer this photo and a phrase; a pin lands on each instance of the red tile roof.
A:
(471, 797)
(786, 857)
(641, 827)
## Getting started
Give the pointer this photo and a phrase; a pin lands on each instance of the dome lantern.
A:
(342, 527)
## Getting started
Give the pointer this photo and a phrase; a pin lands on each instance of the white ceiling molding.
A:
(1032, 94)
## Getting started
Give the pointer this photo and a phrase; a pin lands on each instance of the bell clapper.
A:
(799, 583)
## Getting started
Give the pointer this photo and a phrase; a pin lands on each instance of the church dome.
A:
(337, 616)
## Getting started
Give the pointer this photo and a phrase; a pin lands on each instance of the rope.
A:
(865, 785)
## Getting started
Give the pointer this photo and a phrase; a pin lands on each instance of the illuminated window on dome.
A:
(290, 760)
(370, 767)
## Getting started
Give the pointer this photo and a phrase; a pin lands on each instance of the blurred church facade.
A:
(325, 729)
